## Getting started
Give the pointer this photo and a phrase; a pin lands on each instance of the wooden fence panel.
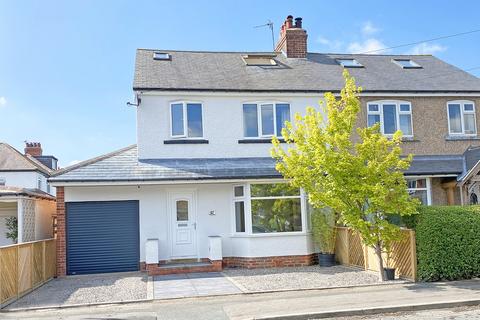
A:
(8, 273)
(23, 267)
(352, 252)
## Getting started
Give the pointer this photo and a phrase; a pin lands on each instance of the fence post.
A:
(365, 256)
(347, 237)
(1, 287)
(44, 265)
(413, 252)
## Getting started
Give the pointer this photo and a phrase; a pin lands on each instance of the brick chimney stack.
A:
(33, 148)
(293, 39)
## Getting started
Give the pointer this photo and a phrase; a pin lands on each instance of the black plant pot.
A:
(389, 273)
(326, 259)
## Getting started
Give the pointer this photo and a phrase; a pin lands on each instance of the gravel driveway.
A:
(86, 289)
(294, 278)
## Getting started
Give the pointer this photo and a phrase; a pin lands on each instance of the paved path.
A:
(192, 285)
(302, 304)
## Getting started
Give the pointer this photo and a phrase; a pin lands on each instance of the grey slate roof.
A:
(226, 71)
(123, 166)
(13, 160)
(24, 192)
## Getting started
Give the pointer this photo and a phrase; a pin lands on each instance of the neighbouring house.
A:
(25, 192)
(200, 183)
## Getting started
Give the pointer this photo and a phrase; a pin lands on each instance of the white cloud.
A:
(369, 29)
(334, 45)
(3, 101)
(367, 46)
(426, 48)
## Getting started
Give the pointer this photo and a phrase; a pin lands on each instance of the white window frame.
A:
(259, 118)
(428, 187)
(397, 104)
(248, 211)
(185, 120)
(462, 104)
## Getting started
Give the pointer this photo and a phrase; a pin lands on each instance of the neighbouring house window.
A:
(48, 188)
(186, 120)
(239, 204)
(461, 118)
(2, 181)
(275, 207)
(392, 116)
(39, 184)
(264, 119)
(419, 188)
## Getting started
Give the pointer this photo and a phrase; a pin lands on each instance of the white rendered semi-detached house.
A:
(25, 192)
(200, 183)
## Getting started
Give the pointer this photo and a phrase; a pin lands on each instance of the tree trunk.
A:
(378, 252)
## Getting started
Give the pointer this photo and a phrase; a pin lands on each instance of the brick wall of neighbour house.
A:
(61, 240)
(430, 125)
(269, 262)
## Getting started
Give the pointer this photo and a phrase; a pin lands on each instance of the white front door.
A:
(183, 218)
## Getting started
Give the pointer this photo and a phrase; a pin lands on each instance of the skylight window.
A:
(259, 60)
(161, 56)
(349, 63)
(407, 63)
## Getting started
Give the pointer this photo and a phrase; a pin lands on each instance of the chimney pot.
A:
(289, 22)
(298, 22)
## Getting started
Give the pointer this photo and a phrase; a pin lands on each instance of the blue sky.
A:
(66, 67)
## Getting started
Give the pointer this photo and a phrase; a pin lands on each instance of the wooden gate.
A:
(350, 251)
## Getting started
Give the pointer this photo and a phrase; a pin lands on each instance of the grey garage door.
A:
(102, 236)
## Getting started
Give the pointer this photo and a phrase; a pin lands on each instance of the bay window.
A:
(392, 116)
(264, 119)
(186, 120)
(461, 118)
(269, 207)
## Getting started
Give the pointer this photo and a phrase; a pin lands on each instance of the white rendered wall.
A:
(222, 126)
(44, 210)
(26, 179)
(154, 220)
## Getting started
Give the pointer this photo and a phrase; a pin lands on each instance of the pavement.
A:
(192, 285)
(302, 304)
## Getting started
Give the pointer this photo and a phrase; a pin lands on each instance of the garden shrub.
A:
(448, 242)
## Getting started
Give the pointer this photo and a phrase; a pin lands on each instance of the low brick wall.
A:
(269, 262)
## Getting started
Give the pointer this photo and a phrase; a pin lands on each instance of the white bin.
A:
(215, 248)
(151, 251)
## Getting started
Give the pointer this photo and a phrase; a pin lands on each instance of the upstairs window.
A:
(461, 118)
(264, 119)
(392, 116)
(186, 120)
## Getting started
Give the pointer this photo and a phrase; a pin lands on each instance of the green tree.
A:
(355, 171)
(11, 223)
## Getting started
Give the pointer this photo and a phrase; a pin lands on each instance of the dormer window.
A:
(407, 64)
(186, 120)
(161, 56)
(265, 119)
(349, 63)
(392, 116)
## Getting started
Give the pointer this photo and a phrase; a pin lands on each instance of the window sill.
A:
(409, 139)
(461, 138)
(272, 234)
(186, 141)
(268, 140)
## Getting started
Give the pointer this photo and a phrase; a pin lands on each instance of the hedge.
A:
(448, 242)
